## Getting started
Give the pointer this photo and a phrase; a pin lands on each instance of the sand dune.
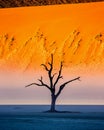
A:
(73, 33)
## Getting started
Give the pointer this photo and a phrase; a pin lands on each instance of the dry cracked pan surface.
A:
(19, 3)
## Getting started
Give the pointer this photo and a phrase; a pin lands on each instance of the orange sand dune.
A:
(73, 33)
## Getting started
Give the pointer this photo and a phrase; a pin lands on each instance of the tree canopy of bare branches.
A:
(53, 82)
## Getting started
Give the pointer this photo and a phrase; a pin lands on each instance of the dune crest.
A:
(19, 3)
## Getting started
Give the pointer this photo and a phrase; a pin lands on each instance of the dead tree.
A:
(53, 83)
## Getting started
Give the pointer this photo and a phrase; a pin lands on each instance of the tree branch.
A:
(54, 75)
(33, 84)
(78, 78)
(64, 84)
(45, 67)
(42, 84)
(50, 71)
(59, 75)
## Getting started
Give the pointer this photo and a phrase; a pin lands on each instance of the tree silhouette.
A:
(53, 82)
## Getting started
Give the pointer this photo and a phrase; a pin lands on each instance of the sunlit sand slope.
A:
(73, 33)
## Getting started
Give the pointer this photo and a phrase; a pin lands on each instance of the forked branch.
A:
(54, 75)
(59, 74)
(64, 84)
(49, 70)
(41, 83)
(46, 68)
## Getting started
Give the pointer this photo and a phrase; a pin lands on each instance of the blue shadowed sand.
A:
(30, 117)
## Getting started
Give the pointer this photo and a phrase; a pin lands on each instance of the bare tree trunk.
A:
(53, 84)
(53, 103)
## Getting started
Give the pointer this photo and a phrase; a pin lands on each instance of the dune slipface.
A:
(73, 33)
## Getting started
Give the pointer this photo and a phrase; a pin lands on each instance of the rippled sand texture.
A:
(73, 33)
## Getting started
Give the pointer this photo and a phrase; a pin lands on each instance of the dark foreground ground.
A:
(31, 117)
(52, 121)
